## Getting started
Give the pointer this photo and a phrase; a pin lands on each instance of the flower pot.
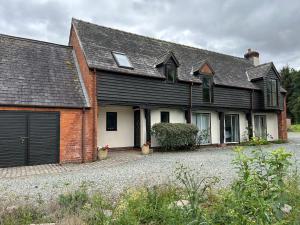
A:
(145, 149)
(102, 154)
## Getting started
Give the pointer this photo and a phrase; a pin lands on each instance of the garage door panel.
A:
(43, 138)
(12, 129)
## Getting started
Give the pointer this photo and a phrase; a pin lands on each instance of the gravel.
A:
(112, 179)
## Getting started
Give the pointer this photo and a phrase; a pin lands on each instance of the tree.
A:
(290, 80)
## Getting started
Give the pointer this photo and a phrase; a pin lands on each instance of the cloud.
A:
(231, 26)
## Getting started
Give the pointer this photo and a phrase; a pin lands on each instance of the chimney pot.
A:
(253, 56)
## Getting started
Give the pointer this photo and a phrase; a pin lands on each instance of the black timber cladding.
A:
(121, 88)
(29, 138)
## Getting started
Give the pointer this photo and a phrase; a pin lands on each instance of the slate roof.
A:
(144, 53)
(35, 73)
(259, 71)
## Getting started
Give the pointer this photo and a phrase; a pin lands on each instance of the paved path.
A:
(122, 170)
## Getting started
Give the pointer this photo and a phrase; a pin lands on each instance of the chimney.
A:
(253, 56)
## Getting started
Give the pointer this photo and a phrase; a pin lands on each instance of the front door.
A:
(137, 128)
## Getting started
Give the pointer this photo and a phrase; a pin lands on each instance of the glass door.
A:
(202, 121)
(232, 128)
(260, 126)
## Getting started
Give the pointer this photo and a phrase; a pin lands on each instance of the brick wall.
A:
(89, 77)
(282, 126)
(70, 131)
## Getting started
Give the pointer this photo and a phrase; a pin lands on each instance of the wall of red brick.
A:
(70, 131)
(90, 120)
(282, 123)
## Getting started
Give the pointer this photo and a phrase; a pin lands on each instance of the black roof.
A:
(144, 52)
(35, 73)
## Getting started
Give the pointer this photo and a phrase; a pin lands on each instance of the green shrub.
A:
(150, 206)
(24, 215)
(295, 128)
(257, 196)
(174, 136)
(255, 141)
(73, 202)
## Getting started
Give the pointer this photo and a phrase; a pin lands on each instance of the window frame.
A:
(114, 54)
(170, 63)
(266, 128)
(168, 116)
(209, 89)
(238, 128)
(195, 115)
(272, 95)
(114, 126)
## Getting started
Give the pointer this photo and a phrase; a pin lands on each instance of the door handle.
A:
(23, 139)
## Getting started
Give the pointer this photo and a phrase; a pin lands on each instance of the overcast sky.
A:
(272, 27)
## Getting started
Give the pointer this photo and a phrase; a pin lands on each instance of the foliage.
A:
(203, 137)
(23, 215)
(290, 80)
(256, 141)
(295, 128)
(264, 185)
(257, 196)
(174, 136)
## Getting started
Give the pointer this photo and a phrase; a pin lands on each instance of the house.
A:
(110, 86)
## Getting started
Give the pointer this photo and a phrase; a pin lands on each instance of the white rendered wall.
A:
(215, 125)
(176, 116)
(124, 135)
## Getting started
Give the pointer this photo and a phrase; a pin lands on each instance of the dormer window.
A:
(170, 71)
(272, 93)
(207, 89)
(122, 60)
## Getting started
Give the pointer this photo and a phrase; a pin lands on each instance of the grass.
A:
(295, 128)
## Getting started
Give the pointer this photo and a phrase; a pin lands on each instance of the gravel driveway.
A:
(112, 178)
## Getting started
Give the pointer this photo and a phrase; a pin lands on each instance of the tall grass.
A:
(263, 188)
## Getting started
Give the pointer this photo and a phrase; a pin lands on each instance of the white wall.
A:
(124, 136)
(272, 125)
(215, 125)
(176, 116)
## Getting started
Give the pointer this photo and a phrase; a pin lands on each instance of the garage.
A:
(29, 138)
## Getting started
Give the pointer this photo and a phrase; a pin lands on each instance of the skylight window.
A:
(122, 60)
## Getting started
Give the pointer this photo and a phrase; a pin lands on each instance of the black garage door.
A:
(28, 138)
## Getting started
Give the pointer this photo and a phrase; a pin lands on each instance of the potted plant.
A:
(146, 148)
(102, 152)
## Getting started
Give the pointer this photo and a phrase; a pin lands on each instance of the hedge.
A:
(175, 136)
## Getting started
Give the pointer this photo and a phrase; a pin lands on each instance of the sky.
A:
(271, 27)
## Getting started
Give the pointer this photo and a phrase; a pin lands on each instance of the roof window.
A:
(122, 60)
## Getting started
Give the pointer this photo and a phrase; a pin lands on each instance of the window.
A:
(272, 93)
(171, 71)
(164, 117)
(202, 121)
(111, 121)
(232, 128)
(207, 89)
(122, 60)
(260, 126)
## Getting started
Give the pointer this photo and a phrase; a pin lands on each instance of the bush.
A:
(255, 141)
(174, 136)
(295, 128)
(259, 193)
